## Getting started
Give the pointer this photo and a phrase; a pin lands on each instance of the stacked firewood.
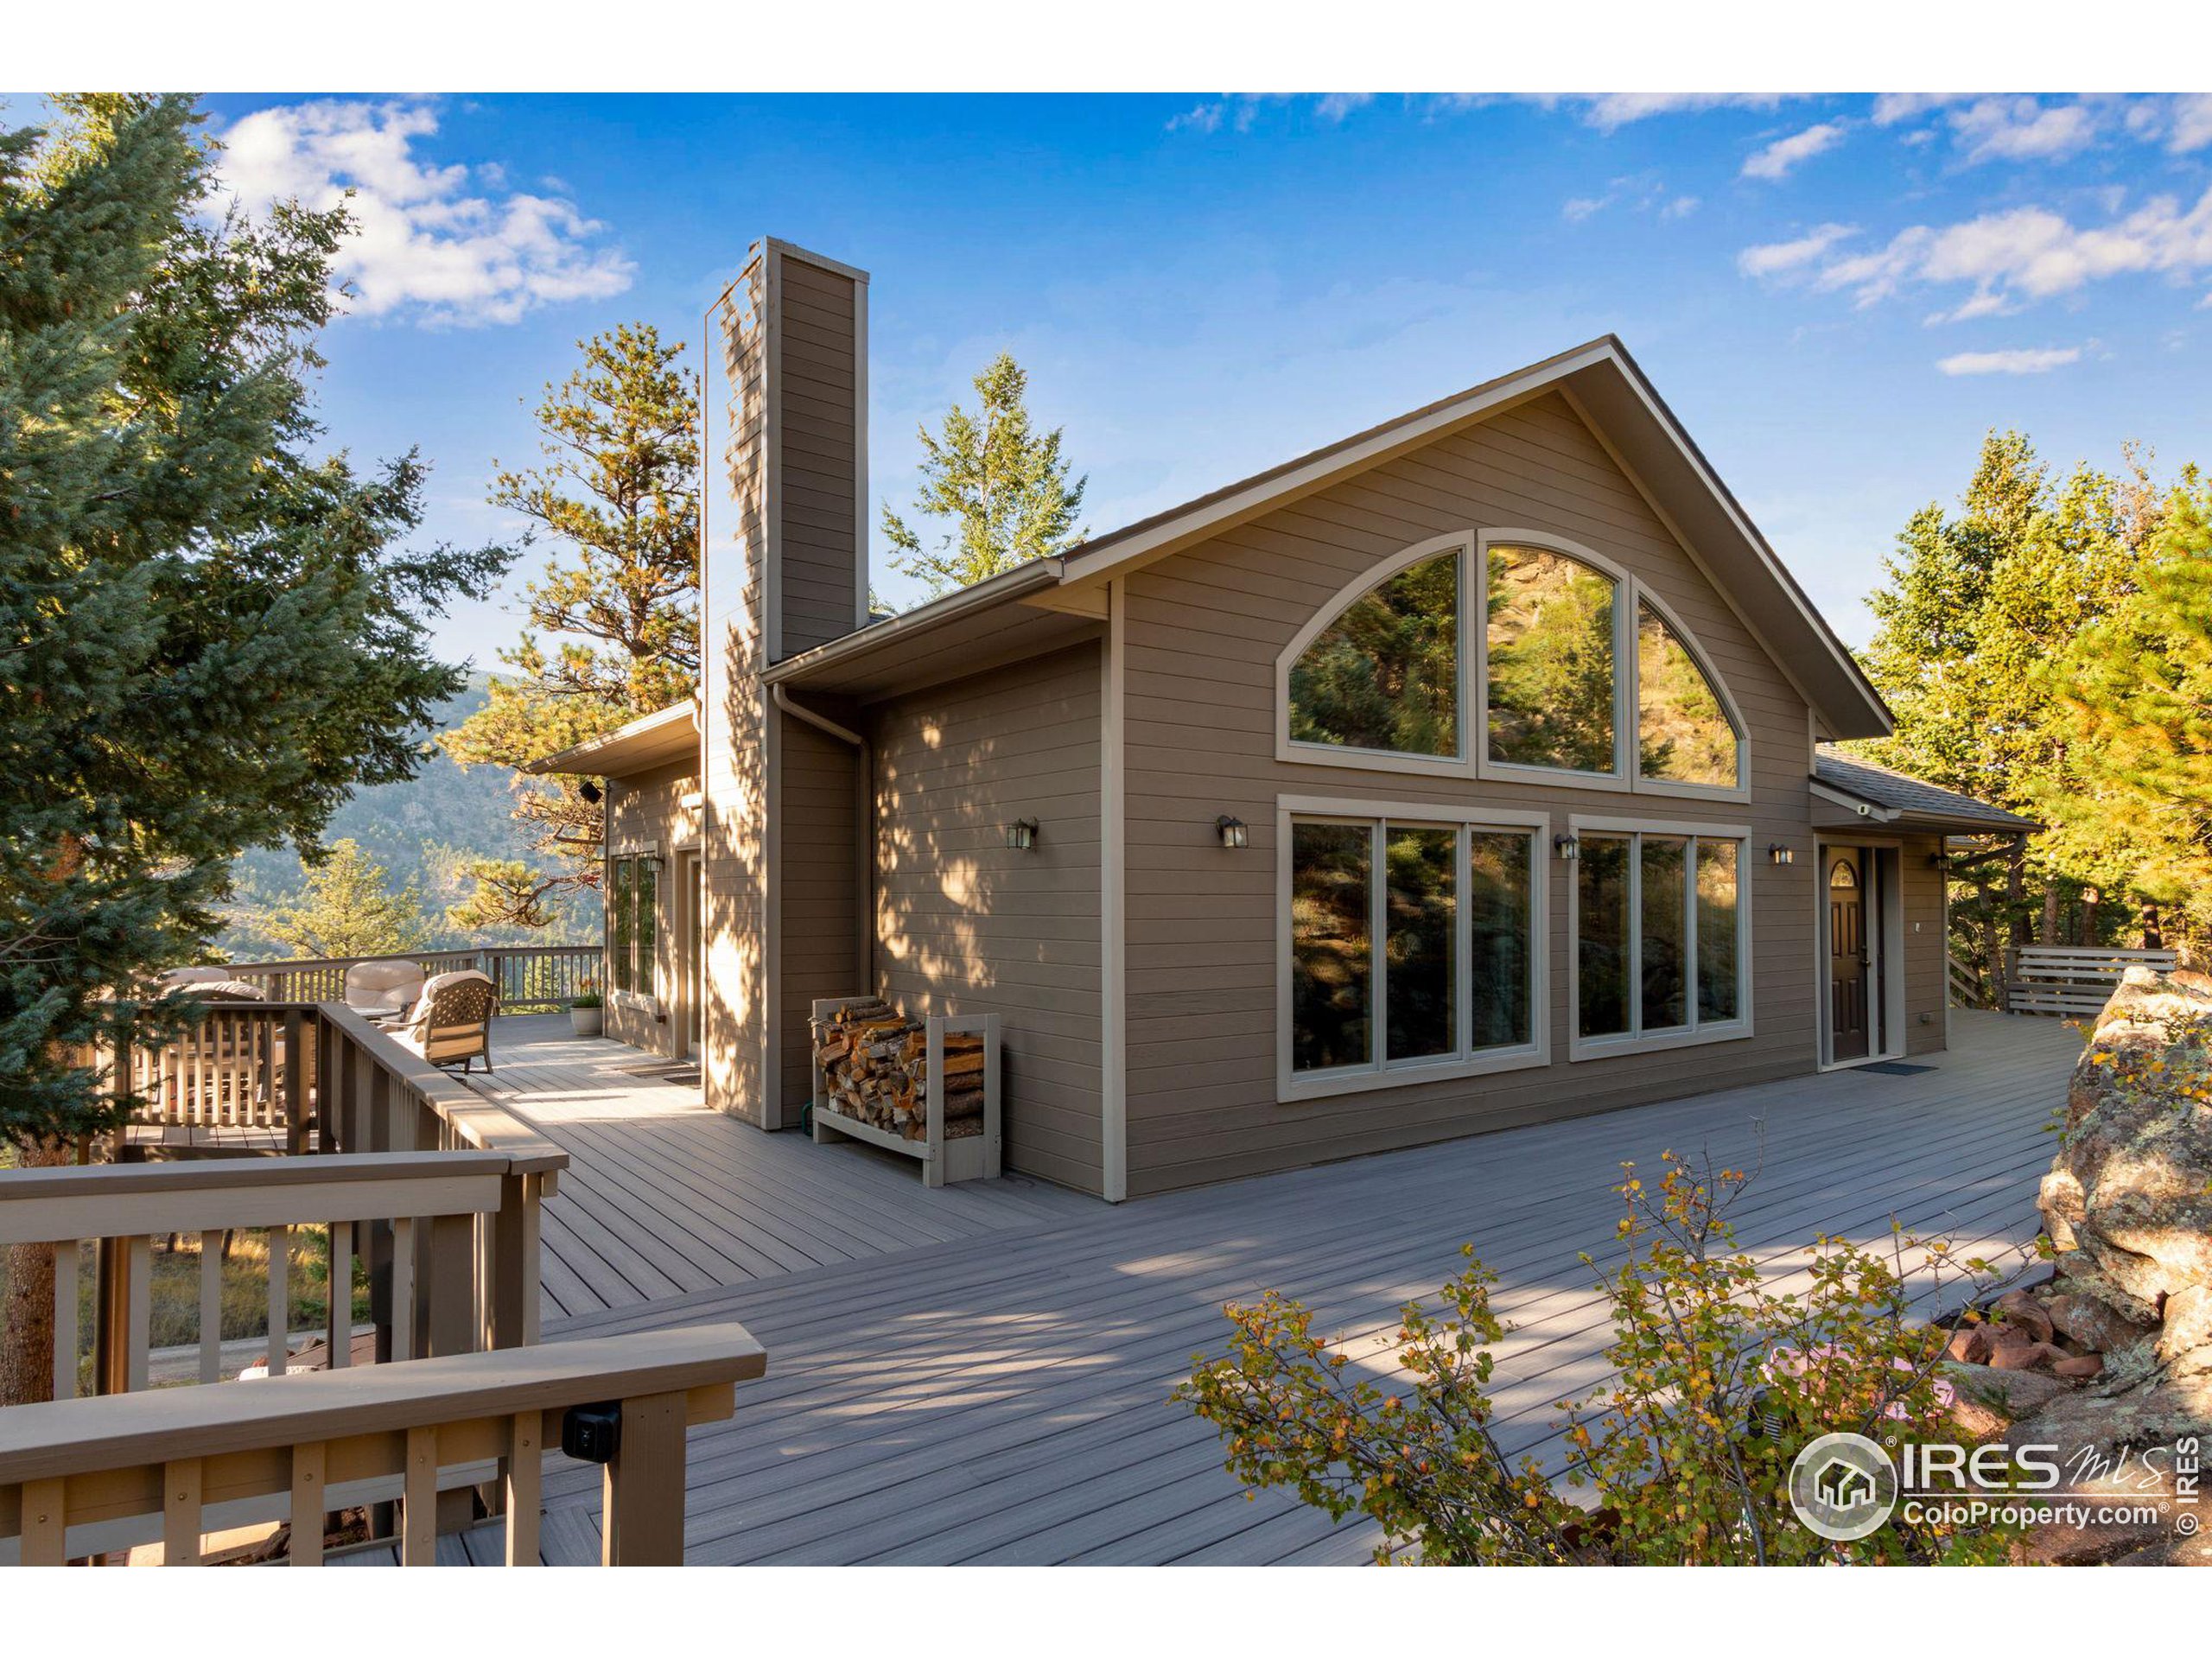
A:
(875, 1066)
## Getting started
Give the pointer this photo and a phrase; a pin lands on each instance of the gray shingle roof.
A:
(1894, 792)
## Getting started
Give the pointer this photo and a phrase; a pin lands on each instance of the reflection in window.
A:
(1686, 943)
(1716, 930)
(1500, 918)
(1417, 968)
(1550, 651)
(1385, 674)
(1601, 879)
(1665, 936)
(1330, 970)
(1683, 731)
(618, 918)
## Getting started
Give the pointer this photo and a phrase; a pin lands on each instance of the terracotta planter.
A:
(587, 1022)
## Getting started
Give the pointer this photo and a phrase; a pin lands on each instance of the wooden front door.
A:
(1849, 1035)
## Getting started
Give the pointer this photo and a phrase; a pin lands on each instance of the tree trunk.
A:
(27, 1349)
(2088, 920)
(2154, 937)
(2050, 935)
(1993, 945)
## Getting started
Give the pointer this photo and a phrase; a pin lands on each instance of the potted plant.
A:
(586, 1013)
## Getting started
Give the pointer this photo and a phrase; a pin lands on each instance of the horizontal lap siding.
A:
(965, 924)
(649, 808)
(1204, 628)
(817, 454)
(816, 875)
(1927, 994)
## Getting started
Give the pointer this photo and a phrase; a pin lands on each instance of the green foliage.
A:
(347, 907)
(1986, 620)
(207, 635)
(1003, 487)
(1719, 1381)
(620, 491)
(2131, 699)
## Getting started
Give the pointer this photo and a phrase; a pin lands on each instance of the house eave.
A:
(649, 741)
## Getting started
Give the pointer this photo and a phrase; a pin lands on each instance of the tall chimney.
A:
(786, 572)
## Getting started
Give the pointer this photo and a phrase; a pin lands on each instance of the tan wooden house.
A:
(1466, 772)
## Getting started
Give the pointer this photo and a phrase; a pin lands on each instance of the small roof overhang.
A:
(1850, 794)
(1018, 614)
(651, 740)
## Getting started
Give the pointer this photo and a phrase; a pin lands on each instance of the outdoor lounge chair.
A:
(384, 987)
(452, 1021)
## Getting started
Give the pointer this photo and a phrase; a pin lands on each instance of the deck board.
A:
(983, 1374)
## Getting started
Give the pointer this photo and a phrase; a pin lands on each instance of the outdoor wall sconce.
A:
(1232, 831)
(1021, 834)
(1566, 847)
(1778, 854)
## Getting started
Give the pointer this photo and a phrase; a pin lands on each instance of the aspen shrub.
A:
(1682, 1457)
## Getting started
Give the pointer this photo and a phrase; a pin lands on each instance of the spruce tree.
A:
(1003, 487)
(207, 636)
(347, 907)
(619, 488)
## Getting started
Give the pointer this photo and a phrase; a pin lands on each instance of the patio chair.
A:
(386, 987)
(452, 1021)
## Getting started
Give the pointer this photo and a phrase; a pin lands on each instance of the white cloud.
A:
(2192, 123)
(1335, 107)
(438, 242)
(1205, 117)
(1609, 111)
(1776, 258)
(2022, 130)
(2023, 254)
(2021, 361)
(1679, 207)
(1578, 209)
(1893, 107)
(1777, 158)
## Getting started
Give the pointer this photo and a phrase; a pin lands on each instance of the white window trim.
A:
(1330, 755)
(1291, 1085)
(1695, 1034)
(1473, 692)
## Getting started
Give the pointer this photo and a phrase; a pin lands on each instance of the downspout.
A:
(863, 833)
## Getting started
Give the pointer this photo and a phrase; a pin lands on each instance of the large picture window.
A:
(1413, 947)
(1385, 674)
(1551, 677)
(1658, 937)
(632, 898)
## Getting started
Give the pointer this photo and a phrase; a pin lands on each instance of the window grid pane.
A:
(1331, 970)
(1601, 877)
(1421, 988)
(643, 932)
(1501, 914)
(1683, 731)
(1549, 650)
(1385, 675)
(1663, 910)
(1717, 924)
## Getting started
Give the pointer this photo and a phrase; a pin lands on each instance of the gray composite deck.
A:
(981, 1373)
(663, 1197)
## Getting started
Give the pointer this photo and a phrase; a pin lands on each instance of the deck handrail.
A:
(185, 1455)
(122, 1207)
(525, 974)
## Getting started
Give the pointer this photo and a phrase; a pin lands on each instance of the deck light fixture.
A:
(1778, 854)
(1566, 847)
(1021, 834)
(1232, 831)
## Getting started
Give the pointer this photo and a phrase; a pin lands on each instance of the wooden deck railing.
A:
(193, 1460)
(121, 1209)
(2074, 980)
(528, 976)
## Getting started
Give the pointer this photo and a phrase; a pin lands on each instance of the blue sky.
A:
(1837, 294)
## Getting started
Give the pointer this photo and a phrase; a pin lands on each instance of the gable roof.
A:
(1606, 388)
(1900, 798)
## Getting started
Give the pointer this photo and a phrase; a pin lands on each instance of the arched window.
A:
(1384, 675)
(1683, 733)
(1551, 675)
(1842, 875)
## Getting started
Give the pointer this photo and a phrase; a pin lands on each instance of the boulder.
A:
(2078, 1367)
(1969, 1345)
(2020, 1310)
(2128, 1199)
(2025, 1357)
(1986, 1401)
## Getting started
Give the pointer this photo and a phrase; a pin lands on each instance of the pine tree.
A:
(1976, 608)
(2133, 694)
(206, 635)
(621, 488)
(1003, 487)
(347, 907)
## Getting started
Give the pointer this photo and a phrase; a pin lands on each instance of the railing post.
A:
(512, 1283)
(297, 1027)
(642, 1508)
